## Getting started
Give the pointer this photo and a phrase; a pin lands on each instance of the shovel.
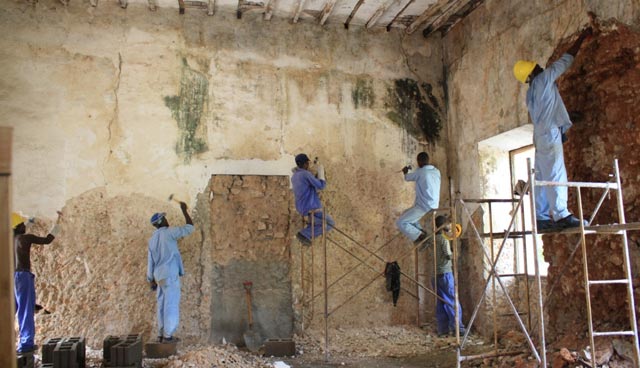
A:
(252, 338)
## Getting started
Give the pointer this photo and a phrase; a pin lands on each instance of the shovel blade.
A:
(252, 340)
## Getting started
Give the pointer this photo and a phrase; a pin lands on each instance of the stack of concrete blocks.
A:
(122, 351)
(64, 352)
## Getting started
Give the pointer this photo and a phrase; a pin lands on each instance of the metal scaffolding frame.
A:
(324, 238)
(621, 229)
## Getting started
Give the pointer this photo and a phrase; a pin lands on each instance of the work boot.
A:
(420, 239)
(570, 221)
(171, 340)
(544, 224)
(303, 239)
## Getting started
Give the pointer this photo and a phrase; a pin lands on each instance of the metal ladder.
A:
(621, 230)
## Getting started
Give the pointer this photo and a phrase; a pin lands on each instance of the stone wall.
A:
(601, 94)
(485, 100)
(114, 109)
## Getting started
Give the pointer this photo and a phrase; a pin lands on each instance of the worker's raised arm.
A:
(319, 184)
(33, 239)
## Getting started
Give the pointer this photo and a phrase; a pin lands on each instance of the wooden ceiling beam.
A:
(380, 11)
(438, 12)
(326, 11)
(398, 14)
(268, 9)
(353, 13)
(299, 9)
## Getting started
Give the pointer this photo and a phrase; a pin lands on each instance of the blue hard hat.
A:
(157, 218)
(301, 159)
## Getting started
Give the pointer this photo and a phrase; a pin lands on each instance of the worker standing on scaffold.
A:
(550, 124)
(445, 313)
(427, 178)
(305, 189)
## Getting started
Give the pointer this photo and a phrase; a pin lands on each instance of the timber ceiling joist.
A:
(411, 15)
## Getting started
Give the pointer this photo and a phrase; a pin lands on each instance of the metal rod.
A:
(381, 259)
(526, 268)
(325, 284)
(493, 282)
(627, 264)
(575, 184)
(435, 263)
(536, 266)
(502, 200)
(416, 275)
(455, 278)
(587, 290)
(565, 267)
(352, 269)
(606, 282)
(521, 324)
(490, 355)
(362, 262)
(614, 333)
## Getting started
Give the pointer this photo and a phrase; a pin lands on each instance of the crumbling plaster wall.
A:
(485, 100)
(115, 109)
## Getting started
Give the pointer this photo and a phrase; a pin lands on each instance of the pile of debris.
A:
(227, 356)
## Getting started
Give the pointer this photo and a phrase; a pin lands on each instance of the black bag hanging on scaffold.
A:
(392, 275)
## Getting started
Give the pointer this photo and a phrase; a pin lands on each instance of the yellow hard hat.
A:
(453, 234)
(522, 69)
(16, 220)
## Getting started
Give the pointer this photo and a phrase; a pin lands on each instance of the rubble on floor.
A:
(388, 341)
(576, 352)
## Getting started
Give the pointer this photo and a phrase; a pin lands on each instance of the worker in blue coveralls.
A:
(305, 189)
(24, 280)
(164, 270)
(427, 178)
(550, 124)
(445, 313)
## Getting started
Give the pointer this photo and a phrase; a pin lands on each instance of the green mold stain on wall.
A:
(362, 94)
(187, 108)
(415, 109)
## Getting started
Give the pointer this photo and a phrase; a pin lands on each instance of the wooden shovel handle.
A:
(248, 298)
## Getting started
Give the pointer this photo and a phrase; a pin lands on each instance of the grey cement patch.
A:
(271, 300)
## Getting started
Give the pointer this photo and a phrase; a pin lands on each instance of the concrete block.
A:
(157, 350)
(47, 349)
(65, 355)
(107, 343)
(279, 347)
(81, 351)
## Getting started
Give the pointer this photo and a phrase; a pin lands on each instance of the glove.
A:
(55, 230)
(321, 172)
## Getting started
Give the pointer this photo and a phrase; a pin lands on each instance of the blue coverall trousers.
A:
(25, 293)
(549, 166)
(168, 306)
(445, 313)
(409, 222)
(317, 225)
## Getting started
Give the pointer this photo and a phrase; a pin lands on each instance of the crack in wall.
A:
(114, 118)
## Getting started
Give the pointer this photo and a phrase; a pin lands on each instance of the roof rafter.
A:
(399, 14)
(380, 11)
(326, 10)
(437, 14)
(299, 9)
(353, 13)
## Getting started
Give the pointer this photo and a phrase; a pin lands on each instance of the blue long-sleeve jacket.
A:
(427, 180)
(164, 260)
(546, 108)
(305, 188)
